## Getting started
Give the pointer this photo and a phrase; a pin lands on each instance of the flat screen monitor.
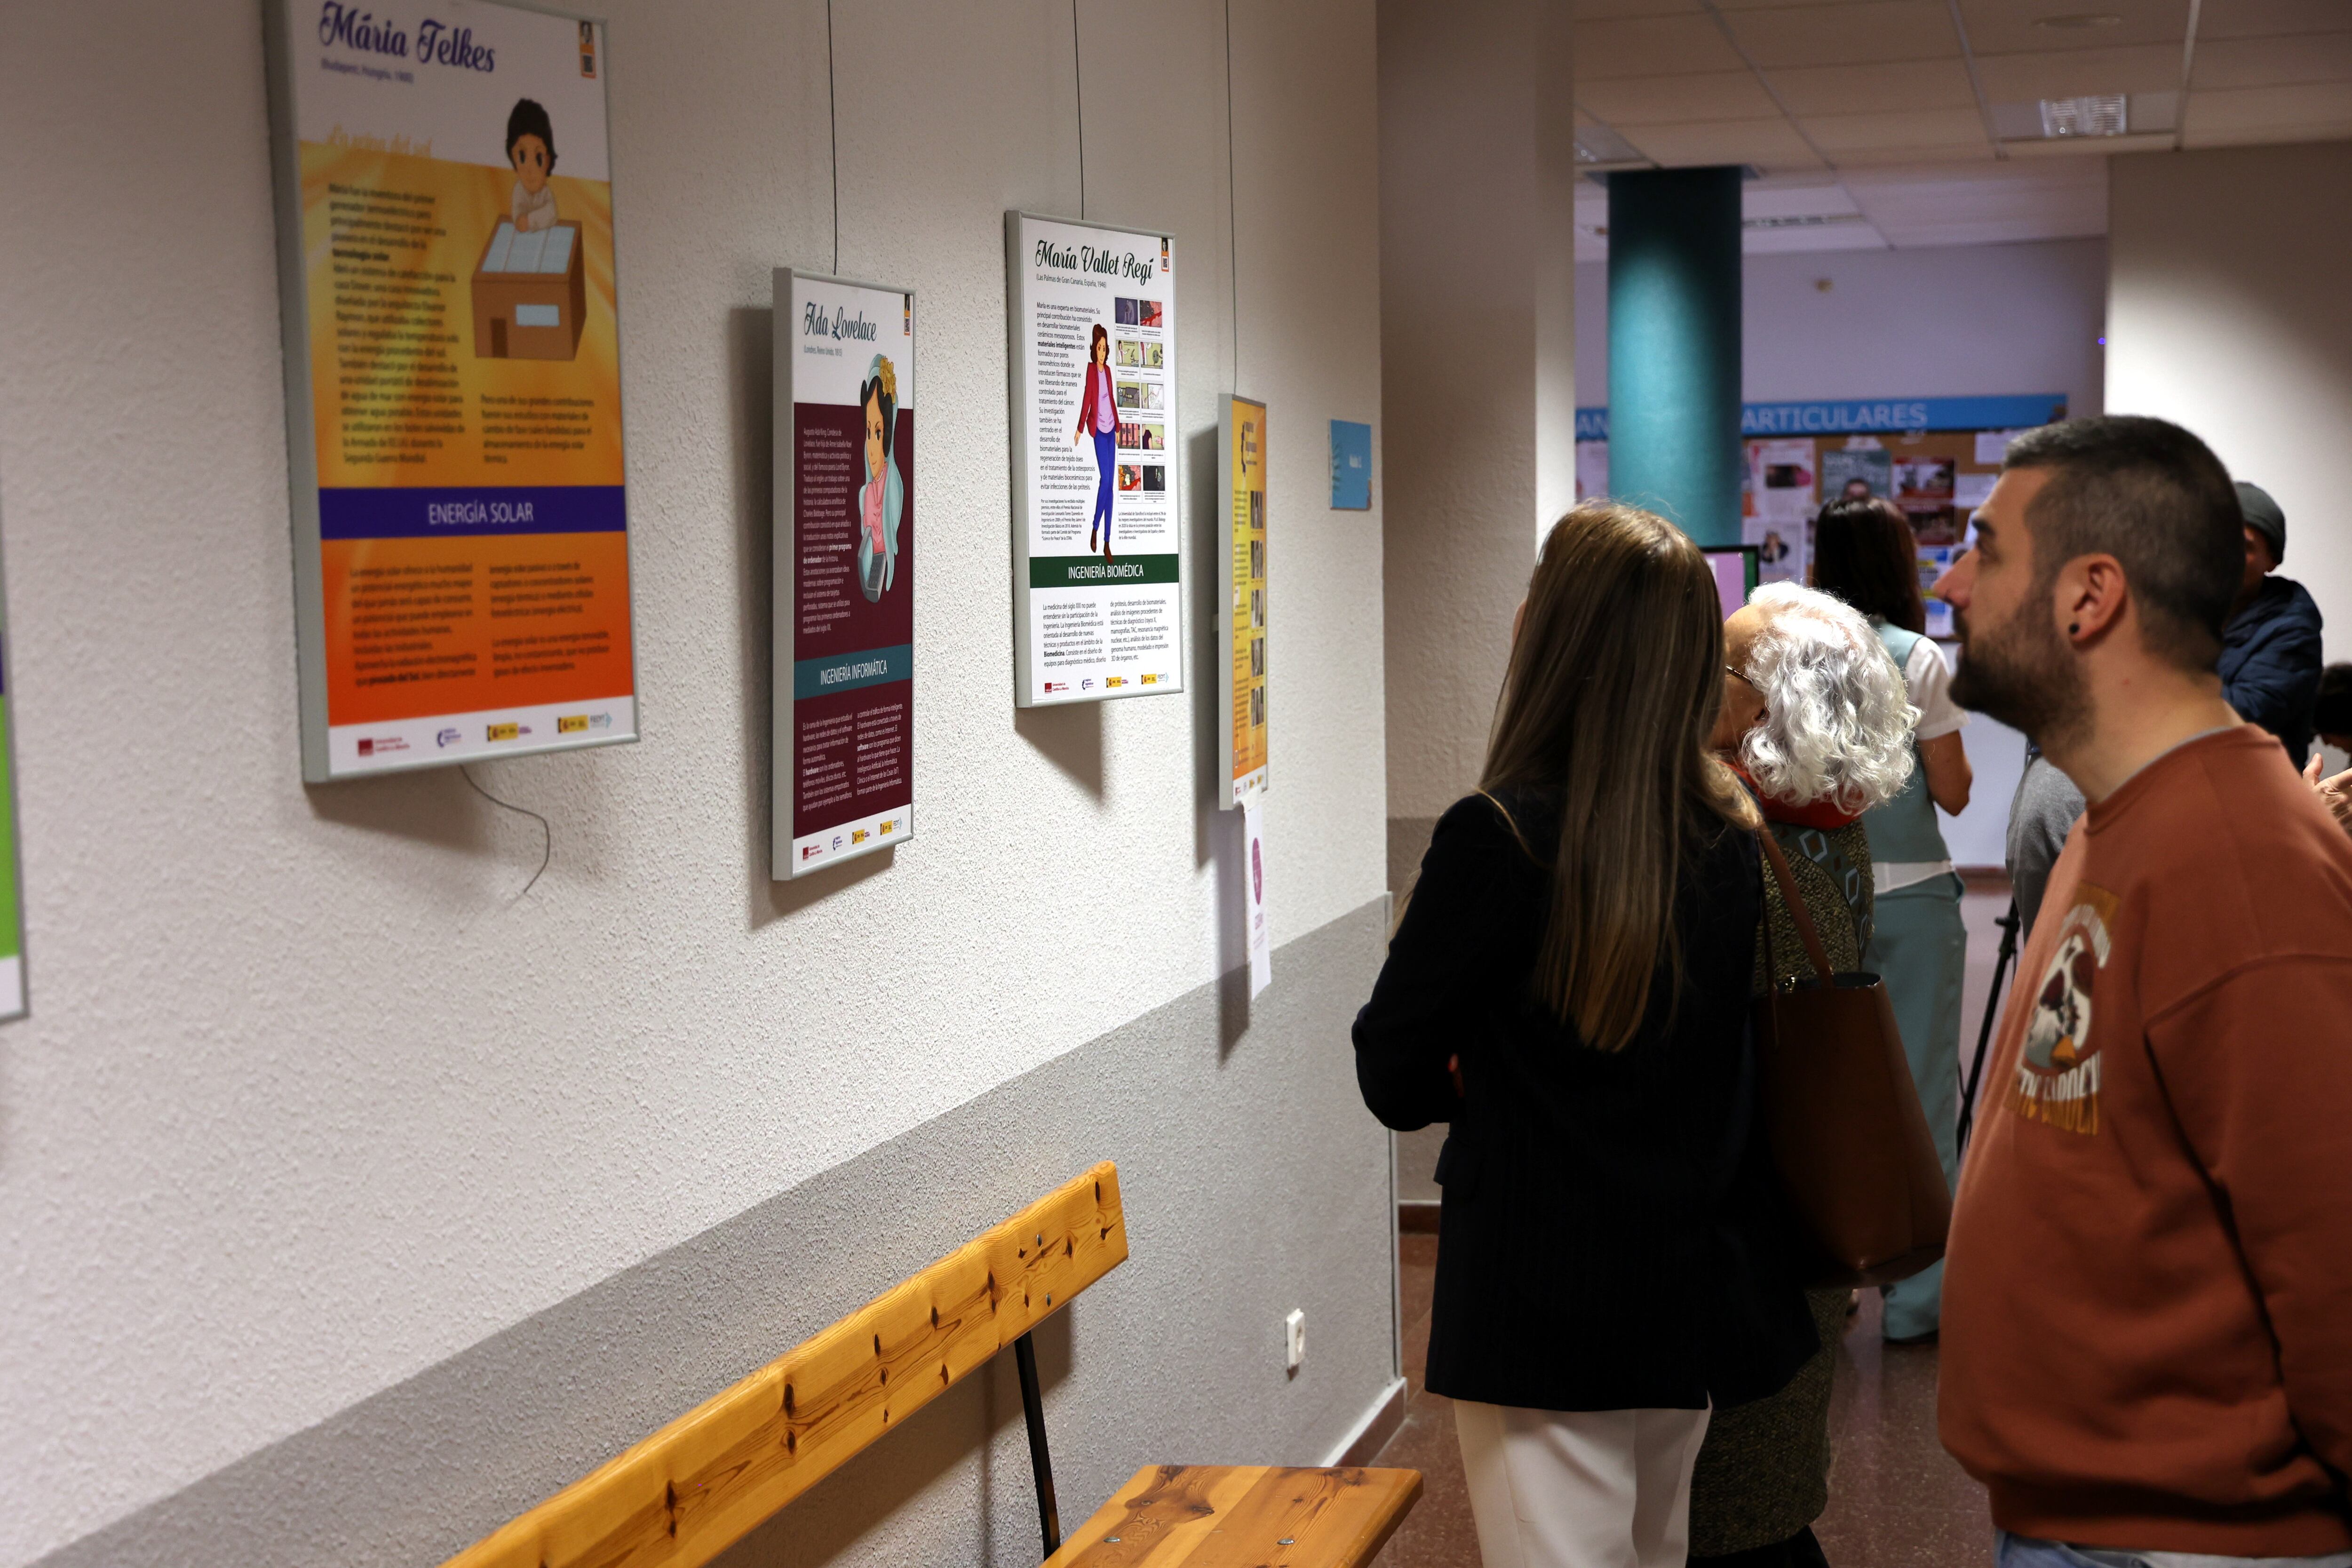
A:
(1735, 570)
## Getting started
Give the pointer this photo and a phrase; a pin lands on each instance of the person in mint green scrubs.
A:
(1864, 554)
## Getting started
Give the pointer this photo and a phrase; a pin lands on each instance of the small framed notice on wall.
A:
(1241, 661)
(453, 384)
(843, 735)
(1351, 466)
(1097, 525)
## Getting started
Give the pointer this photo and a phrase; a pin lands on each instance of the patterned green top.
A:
(1763, 1473)
(1831, 870)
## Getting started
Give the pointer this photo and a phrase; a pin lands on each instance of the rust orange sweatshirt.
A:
(2148, 1300)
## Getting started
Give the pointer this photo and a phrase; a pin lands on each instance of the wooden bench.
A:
(693, 1488)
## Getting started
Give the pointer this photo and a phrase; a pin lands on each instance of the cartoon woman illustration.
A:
(531, 148)
(883, 497)
(1098, 416)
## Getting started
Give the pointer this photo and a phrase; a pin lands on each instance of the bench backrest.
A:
(700, 1484)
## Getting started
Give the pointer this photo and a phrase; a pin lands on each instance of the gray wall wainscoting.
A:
(1254, 1182)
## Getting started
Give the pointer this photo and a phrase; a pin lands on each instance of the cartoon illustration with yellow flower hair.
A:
(883, 497)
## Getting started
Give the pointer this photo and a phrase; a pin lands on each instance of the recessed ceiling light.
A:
(2100, 114)
(1598, 144)
(2080, 19)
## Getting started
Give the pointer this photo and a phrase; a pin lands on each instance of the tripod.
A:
(2008, 924)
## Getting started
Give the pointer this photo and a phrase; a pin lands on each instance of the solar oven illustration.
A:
(530, 294)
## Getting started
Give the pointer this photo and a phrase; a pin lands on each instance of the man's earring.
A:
(2073, 627)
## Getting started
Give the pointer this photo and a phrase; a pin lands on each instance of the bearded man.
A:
(2147, 1298)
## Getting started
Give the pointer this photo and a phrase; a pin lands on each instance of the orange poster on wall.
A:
(462, 562)
(1241, 683)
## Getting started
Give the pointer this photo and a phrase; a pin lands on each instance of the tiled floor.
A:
(1896, 1499)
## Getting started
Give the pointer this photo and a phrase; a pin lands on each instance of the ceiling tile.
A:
(1977, 152)
(1779, 214)
(1853, 35)
(1906, 84)
(2069, 73)
(1767, 143)
(2280, 61)
(1660, 100)
(2257, 19)
(2269, 136)
(1985, 203)
(1780, 5)
(1817, 195)
(1837, 134)
(1596, 10)
(2008, 26)
(1653, 45)
(1834, 237)
(2090, 146)
(2282, 109)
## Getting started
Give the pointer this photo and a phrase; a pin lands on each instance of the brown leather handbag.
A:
(1843, 1116)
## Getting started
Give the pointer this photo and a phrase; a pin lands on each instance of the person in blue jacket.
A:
(2269, 649)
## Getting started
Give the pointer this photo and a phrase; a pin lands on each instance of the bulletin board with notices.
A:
(1934, 457)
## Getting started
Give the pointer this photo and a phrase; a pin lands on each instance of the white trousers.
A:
(1566, 1489)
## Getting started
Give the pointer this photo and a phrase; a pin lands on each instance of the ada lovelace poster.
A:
(1240, 676)
(845, 571)
(1098, 541)
(453, 383)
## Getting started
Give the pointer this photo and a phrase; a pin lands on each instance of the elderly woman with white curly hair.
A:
(1816, 719)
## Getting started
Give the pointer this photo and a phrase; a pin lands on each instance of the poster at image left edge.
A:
(844, 572)
(1098, 549)
(454, 404)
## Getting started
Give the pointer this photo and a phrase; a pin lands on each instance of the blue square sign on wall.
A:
(1351, 466)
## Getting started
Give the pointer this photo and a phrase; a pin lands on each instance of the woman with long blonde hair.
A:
(1568, 989)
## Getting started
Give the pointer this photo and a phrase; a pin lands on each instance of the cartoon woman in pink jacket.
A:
(1099, 416)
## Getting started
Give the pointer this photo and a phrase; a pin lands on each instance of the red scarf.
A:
(1820, 814)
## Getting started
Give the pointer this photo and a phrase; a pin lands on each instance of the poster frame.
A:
(1350, 438)
(1016, 382)
(1237, 792)
(301, 429)
(783, 580)
(11, 821)
(1751, 567)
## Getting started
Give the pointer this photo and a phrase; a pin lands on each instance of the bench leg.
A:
(1032, 1408)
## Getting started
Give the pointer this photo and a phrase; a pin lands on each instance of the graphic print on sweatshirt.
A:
(2057, 1065)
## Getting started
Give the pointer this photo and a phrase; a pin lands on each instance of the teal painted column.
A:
(1673, 347)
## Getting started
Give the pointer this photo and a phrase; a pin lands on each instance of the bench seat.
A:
(1243, 1516)
(688, 1491)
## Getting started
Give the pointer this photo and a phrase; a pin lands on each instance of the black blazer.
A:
(1611, 1237)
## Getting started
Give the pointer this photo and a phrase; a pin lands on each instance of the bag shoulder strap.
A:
(1814, 951)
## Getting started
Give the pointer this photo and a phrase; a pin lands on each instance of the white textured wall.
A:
(2229, 315)
(1477, 322)
(1940, 321)
(308, 1102)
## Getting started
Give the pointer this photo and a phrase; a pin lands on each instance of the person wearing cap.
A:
(2270, 651)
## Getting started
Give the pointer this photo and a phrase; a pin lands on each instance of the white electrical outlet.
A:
(1294, 1333)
